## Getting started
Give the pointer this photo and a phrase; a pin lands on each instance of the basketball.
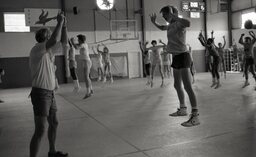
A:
(248, 24)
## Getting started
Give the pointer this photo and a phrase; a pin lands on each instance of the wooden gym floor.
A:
(128, 119)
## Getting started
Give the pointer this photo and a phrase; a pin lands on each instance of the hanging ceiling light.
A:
(105, 4)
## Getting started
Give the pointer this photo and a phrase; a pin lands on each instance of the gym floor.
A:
(128, 119)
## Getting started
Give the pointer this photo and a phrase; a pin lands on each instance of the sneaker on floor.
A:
(162, 85)
(104, 79)
(246, 84)
(180, 112)
(87, 96)
(76, 89)
(193, 80)
(58, 154)
(218, 85)
(151, 84)
(193, 120)
(99, 79)
(213, 84)
(111, 80)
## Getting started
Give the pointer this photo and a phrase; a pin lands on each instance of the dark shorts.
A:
(216, 60)
(43, 102)
(73, 73)
(249, 61)
(147, 69)
(182, 60)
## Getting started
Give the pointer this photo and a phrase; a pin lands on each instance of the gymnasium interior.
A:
(127, 118)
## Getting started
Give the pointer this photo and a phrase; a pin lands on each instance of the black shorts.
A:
(147, 69)
(73, 73)
(216, 60)
(249, 61)
(43, 102)
(182, 60)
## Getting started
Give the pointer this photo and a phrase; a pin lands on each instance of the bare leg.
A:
(168, 71)
(105, 73)
(152, 74)
(52, 131)
(99, 73)
(246, 67)
(193, 120)
(162, 75)
(252, 69)
(185, 73)
(165, 70)
(88, 83)
(177, 85)
(182, 111)
(40, 129)
(213, 76)
(110, 74)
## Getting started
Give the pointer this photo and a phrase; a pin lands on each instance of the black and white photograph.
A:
(127, 78)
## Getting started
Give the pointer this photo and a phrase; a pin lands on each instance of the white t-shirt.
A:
(155, 53)
(84, 51)
(176, 35)
(41, 62)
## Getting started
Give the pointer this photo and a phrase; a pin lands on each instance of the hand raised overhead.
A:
(153, 17)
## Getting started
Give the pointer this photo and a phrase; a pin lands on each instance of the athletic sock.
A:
(148, 77)
(194, 110)
(76, 84)
(213, 80)
(183, 106)
(88, 90)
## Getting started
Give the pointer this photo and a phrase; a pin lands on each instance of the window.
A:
(247, 16)
(105, 4)
(195, 15)
(15, 22)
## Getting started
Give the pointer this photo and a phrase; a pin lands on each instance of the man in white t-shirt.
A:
(42, 68)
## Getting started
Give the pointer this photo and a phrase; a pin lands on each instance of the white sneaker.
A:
(213, 84)
(180, 112)
(111, 80)
(87, 96)
(76, 89)
(193, 120)
(104, 79)
(218, 85)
